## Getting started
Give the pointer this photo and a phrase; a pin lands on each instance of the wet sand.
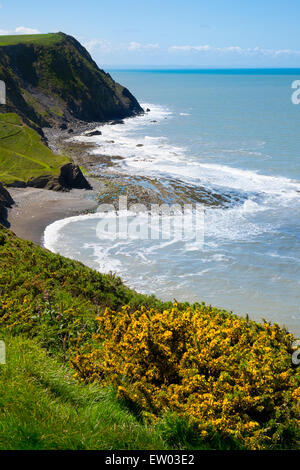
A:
(34, 209)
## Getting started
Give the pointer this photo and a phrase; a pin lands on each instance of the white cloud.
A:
(137, 46)
(24, 30)
(205, 48)
(20, 30)
(234, 49)
(286, 52)
(98, 44)
(106, 47)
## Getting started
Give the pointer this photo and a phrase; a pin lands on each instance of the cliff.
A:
(52, 80)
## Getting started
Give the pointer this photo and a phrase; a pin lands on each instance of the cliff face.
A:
(53, 80)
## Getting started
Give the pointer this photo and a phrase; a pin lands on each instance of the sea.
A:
(230, 131)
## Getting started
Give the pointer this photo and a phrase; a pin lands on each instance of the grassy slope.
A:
(22, 153)
(27, 269)
(40, 39)
(41, 407)
(47, 304)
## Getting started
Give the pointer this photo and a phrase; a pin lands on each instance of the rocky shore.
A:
(29, 210)
(116, 182)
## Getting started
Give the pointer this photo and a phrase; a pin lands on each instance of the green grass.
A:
(42, 407)
(38, 285)
(23, 155)
(40, 39)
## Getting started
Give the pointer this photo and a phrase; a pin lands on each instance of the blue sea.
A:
(231, 131)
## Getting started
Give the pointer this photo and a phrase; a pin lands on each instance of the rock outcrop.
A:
(70, 177)
(6, 201)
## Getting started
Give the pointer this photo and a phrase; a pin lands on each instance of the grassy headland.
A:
(51, 80)
(39, 39)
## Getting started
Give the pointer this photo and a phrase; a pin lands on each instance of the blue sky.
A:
(145, 33)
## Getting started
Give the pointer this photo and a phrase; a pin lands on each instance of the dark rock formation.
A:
(93, 133)
(17, 184)
(46, 182)
(117, 121)
(6, 201)
(70, 177)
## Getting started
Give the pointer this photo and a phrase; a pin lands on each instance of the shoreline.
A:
(35, 209)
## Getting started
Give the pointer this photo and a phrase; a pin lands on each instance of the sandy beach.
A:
(34, 209)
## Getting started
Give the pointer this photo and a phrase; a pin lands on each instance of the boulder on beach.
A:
(71, 176)
(93, 133)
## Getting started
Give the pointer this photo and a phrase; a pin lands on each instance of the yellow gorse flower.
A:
(223, 372)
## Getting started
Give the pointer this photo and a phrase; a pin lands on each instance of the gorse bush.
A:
(226, 374)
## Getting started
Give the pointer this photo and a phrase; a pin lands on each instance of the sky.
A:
(168, 33)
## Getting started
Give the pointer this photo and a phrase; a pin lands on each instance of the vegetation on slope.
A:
(42, 407)
(53, 298)
(228, 374)
(23, 155)
(196, 377)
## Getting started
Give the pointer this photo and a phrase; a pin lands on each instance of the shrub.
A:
(227, 375)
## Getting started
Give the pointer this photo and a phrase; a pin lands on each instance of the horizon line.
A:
(192, 67)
